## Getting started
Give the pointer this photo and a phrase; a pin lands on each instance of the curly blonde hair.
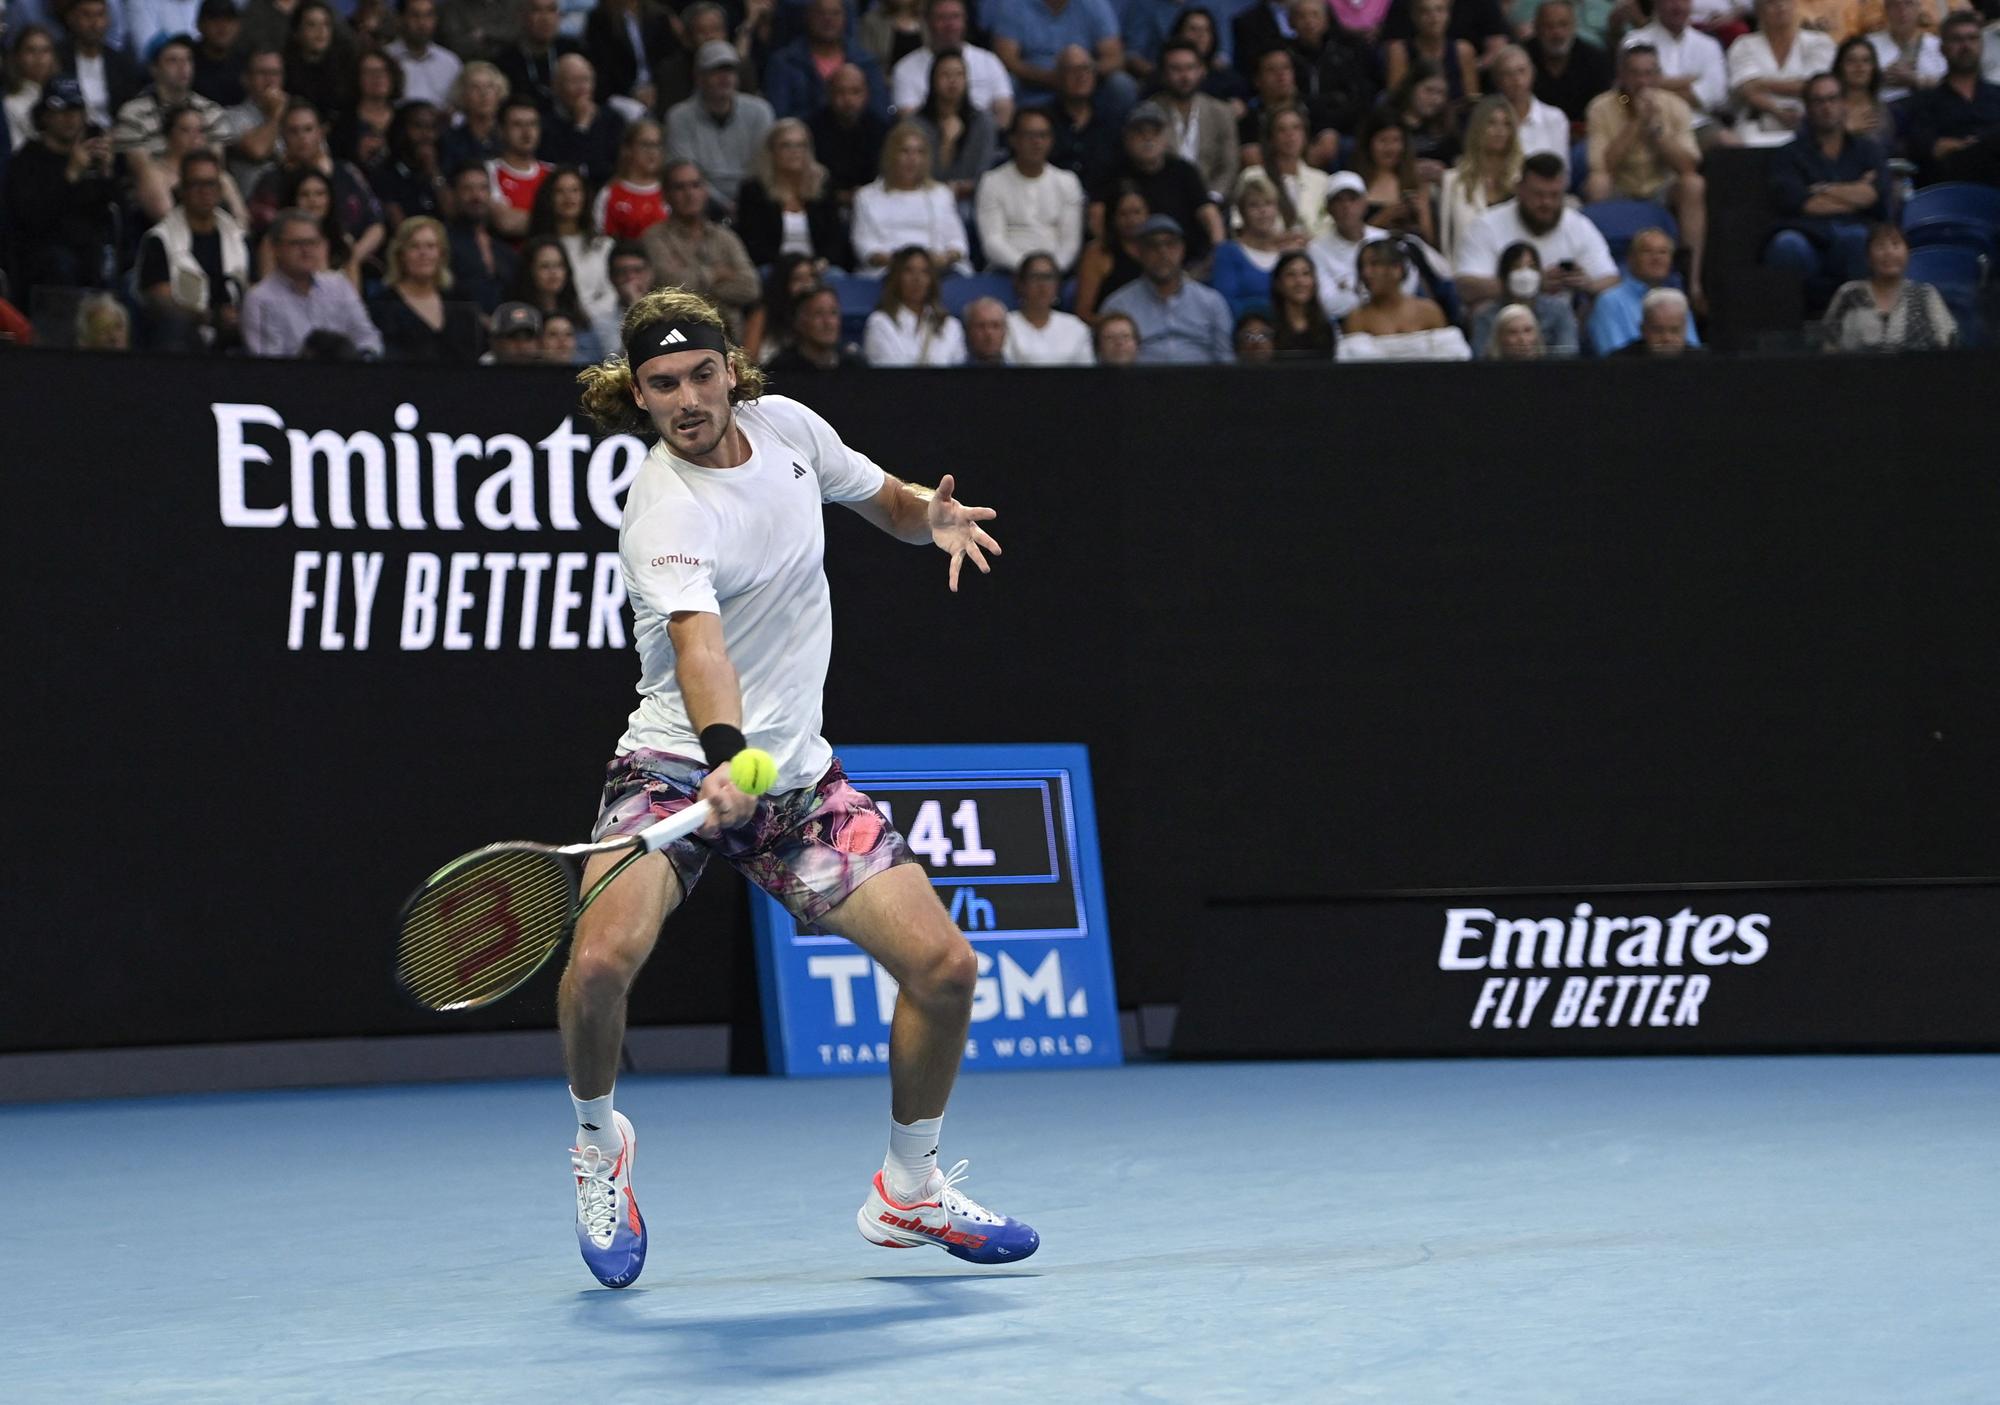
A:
(607, 387)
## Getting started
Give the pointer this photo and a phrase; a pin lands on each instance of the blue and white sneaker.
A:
(608, 1228)
(946, 1217)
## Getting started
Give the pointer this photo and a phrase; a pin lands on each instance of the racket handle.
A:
(656, 836)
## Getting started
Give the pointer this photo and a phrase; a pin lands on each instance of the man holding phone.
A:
(62, 191)
(1575, 258)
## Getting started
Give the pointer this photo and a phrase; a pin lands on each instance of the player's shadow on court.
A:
(810, 1341)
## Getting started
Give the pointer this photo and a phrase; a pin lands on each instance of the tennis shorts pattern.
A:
(808, 848)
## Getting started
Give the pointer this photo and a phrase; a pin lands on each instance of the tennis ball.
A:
(752, 770)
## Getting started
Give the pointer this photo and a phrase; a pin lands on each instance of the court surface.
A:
(1795, 1230)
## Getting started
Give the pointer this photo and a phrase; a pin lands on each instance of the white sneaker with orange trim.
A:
(946, 1217)
(608, 1228)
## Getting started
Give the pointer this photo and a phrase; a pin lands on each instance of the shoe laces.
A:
(596, 1194)
(959, 1204)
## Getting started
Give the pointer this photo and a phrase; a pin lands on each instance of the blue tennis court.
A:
(1726, 1229)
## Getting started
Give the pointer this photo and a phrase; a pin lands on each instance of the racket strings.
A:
(477, 930)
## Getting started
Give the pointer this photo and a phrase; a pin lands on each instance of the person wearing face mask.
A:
(1521, 287)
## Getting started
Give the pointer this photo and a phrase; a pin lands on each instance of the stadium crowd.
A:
(944, 182)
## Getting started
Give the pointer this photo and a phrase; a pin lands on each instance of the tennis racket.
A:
(486, 921)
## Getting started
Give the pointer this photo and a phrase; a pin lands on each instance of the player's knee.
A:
(602, 971)
(945, 979)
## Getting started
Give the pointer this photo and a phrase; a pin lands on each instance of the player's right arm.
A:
(711, 694)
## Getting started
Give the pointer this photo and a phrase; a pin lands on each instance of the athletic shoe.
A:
(608, 1227)
(946, 1217)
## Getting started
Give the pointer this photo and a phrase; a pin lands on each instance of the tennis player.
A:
(723, 543)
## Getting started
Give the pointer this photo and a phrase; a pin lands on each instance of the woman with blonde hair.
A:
(417, 323)
(906, 206)
(1301, 186)
(475, 131)
(1485, 174)
(909, 326)
(1516, 336)
(786, 204)
(1243, 266)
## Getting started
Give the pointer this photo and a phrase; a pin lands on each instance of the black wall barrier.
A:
(1325, 632)
(1691, 970)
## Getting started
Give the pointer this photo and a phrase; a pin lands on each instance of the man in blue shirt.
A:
(795, 78)
(1616, 316)
(1954, 128)
(1029, 34)
(1180, 321)
(1827, 187)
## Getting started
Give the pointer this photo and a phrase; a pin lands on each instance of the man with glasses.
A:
(1027, 204)
(301, 298)
(195, 263)
(690, 251)
(1827, 186)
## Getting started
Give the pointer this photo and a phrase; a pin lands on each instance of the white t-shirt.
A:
(1064, 342)
(1545, 128)
(429, 78)
(986, 79)
(901, 339)
(1574, 238)
(1693, 55)
(748, 544)
(1930, 61)
(1750, 58)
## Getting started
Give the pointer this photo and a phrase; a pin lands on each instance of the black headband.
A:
(668, 335)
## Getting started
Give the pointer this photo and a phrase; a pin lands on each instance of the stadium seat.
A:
(1619, 220)
(858, 297)
(1956, 212)
(1579, 166)
(1958, 273)
(958, 292)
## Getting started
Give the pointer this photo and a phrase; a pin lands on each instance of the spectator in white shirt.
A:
(992, 86)
(905, 206)
(429, 69)
(1027, 204)
(1768, 72)
(1543, 128)
(1692, 67)
(1574, 256)
(909, 326)
(1039, 333)
(1911, 55)
(1334, 251)
(1486, 172)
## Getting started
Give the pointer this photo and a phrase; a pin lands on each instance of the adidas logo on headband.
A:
(676, 337)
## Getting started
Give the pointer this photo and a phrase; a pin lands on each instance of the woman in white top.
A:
(905, 206)
(1485, 173)
(910, 327)
(562, 209)
(1302, 186)
(31, 65)
(1040, 334)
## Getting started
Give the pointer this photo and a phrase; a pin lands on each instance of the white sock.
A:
(594, 1126)
(913, 1149)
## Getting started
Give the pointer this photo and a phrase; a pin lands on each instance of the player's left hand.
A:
(955, 528)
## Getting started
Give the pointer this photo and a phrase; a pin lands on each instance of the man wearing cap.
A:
(1333, 251)
(140, 121)
(218, 61)
(1180, 321)
(300, 297)
(61, 190)
(719, 129)
(1172, 186)
(691, 251)
(517, 336)
(795, 78)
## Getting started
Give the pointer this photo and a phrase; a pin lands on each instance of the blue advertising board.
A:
(1008, 835)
